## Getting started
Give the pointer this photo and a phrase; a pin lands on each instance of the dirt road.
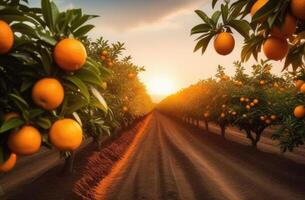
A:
(171, 162)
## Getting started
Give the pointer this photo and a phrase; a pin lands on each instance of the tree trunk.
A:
(252, 139)
(68, 166)
(206, 125)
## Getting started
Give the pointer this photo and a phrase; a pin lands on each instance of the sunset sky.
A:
(157, 36)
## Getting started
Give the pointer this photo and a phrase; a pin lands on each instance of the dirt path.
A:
(173, 162)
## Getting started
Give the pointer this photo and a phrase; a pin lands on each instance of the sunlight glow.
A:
(161, 86)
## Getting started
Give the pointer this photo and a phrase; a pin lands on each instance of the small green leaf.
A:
(80, 85)
(11, 124)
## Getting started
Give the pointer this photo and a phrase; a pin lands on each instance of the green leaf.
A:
(83, 31)
(265, 10)
(203, 43)
(11, 124)
(47, 13)
(214, 3)
(101, 100)
(201, 28)
(20, 102)
(204, 17)
(75, 106)
(241, 26)
(44, 123)
(215, 17)
(89, 76)
(80, 85)
(224, 12)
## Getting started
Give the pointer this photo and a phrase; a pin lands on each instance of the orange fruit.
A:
(6, 37)
(10, 115)
(25, 141)
(222, 115)
(273, 117)
(248, 107)
(70, 54)
(287, 29)
(66, 134)
(302, 89)
(110, 64)
(252, 104)
(275, 49)
(224, 43)
(298, 8)
(299, 111)
(262, 118)
(131, 75)
(257, 6)
(299, 83)
(234, 113)
(247, 100)
(255, 101)
(103, 57)
(242, 99)
(262, 82)
(125, 109)
(206, 114)
(104, 53)
(48, 93)
(9, 163)
(268, 121)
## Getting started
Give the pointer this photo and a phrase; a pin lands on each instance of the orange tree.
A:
(51, 86)
(275, 27)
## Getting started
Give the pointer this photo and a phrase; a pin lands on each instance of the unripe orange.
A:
(224, 43)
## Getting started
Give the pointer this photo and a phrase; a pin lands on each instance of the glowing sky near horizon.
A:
(157, 36)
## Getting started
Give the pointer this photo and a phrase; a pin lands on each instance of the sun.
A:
(161, 86)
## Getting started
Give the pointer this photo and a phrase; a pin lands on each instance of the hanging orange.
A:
(6, 37)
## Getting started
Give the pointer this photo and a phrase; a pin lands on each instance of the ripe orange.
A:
(248, 107)
(257, 6)
(255, 101)
(206, 114)
(273, 117)
(275, 49)
(222, 115)
(224, 43)
(299, 111)
(298, 8)
(262, 82)
(66, 134)
(299, 83)
(25, 141)
(104, 53)
(110, 64)
(234, 113)
(287, 29)
(262, 118)
(48, 93)
(125, 109)
(103, 57)
(252, 104)
(268, 121)
(131, 75)
(302, 89)
(10, 115)
(6, 37)
(9, 163)
(242, 99)
(70, 54)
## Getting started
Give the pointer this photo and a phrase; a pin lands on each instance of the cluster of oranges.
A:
(276, 46)
(299, 111)
(248, 104)
(48, 93)
(268, 119)
(105, 58)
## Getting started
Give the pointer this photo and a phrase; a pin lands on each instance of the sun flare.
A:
(161, 86)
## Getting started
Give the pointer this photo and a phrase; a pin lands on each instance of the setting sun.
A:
(161, 86)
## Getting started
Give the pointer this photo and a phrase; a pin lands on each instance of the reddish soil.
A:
(90, 166)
